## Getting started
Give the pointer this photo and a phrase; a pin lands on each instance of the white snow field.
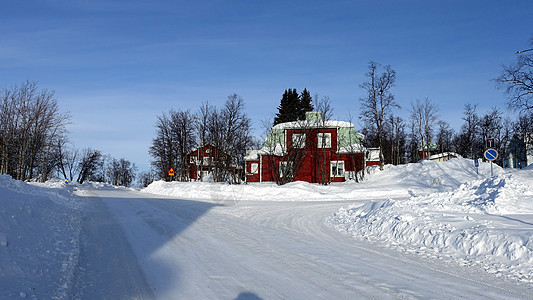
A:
(428, 230)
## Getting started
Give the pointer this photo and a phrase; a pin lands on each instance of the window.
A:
(298, 140)
(285, 168)
(194, 160)
(207, 161)
(254, 168)
(337, 168)
(324, 140)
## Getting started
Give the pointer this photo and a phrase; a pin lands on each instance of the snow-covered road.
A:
(259, 250)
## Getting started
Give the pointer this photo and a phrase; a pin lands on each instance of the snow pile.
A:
(484, 222)
(395, 181)
(257, 191)
(39, 247)
(294, 191)
(429, 176)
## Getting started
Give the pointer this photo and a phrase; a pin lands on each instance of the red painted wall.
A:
(315, 166)
(249, 176)
(372, 163)
(205, 151)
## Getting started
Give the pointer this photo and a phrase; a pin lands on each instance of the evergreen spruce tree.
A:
(289, 107)
(305, 104)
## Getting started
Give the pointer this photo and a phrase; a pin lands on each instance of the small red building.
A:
(372, 157)
(313, 150)
(426, 151)
(205, 159)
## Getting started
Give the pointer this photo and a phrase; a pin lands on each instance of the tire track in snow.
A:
(310, 221)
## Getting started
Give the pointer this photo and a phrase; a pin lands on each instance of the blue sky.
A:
(116, 65)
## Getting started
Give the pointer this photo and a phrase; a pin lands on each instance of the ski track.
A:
(278, 250)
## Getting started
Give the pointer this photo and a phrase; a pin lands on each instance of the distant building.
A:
(372, 157)
(426, 150)
(444, 156)
(207, 159)
(313, 150)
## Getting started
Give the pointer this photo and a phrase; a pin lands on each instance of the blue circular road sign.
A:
(491, 154)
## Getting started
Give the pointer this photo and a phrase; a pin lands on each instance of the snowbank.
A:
(295, 191)
(486, 222)
(429, 176)
(39, 247)
(395, 181)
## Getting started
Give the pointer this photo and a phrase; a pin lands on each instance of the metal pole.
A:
(491, 174)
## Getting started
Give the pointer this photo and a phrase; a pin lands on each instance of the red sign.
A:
(171, 172)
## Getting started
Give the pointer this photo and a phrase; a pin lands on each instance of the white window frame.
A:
(207, 161)
(254, 168)
(298, 140)
(337, 168)
(324, 140)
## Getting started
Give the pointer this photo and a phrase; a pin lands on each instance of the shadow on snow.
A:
(109, 266)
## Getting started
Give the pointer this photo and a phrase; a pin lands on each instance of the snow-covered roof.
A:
(445, 154)
(354, 148)
(252, 155)
(373, 154)
(312, 124)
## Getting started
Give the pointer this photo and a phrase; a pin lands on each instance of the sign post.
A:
(490, 143)
(171, 173)
(492, 155)
(476, 164)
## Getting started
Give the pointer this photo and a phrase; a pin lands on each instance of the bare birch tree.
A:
(517, 80)
(229, 132)
(424, 115)
(30, 123)
(379, 100)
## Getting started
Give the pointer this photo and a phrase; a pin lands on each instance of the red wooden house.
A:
(205, 159)
(313, 150)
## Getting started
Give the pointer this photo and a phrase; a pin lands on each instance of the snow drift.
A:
(484, 222)
(39, 247)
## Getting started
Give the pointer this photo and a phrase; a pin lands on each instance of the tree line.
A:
(227, 129)
(401, 141)
(34, 142)
(91, 165)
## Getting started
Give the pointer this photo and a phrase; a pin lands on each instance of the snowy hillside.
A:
(39, 247)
